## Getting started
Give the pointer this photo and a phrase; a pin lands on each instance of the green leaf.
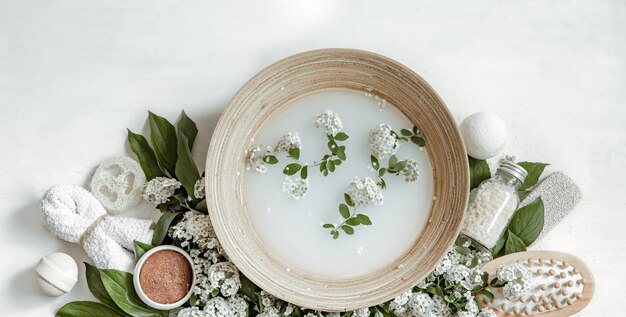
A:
(87, 309)
(341, 153)
(479, 171)
(406, 132)
(513, 243)
(400, 165)
(160, 231)
(348, 200)
(347, 229)
(145, 155)
(335, 234)
(364, 219)
(332, 146)
(344, 211)
(353, 222)
(292, 169)
(393, 160)
(141, 248)
(528, 221)
(328, 226)
(341, 136)
(418, 140)
(497, 250)
(94, 283)
(201, 207)
(487, 294)
(415, 130)
(294, 153)
(382, 172)
(331, 166)
(120, 287)
(186, 170)
(163, 138)
(534, 170)
(375, 163)
(188, 128)
(270, 159)
(463, 250)
(248, 288)
(304, 172)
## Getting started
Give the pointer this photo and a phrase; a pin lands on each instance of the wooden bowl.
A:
(307, 73)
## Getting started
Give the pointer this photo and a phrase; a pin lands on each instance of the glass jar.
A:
(492, 206)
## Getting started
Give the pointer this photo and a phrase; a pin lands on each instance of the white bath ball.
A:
(57, 273)
(484, 134)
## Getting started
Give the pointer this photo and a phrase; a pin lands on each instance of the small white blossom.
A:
(410, 171)
(486, 312)
(256, 158)
(295, 188)
(191, 312)
(382, 143)
(365, 192)
(517, 277)
(289, 141)
(330, 122)
(225, 277)
(198, 188)
(362, 312)
(159, 189)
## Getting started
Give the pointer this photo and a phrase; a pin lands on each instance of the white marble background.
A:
(75, 74)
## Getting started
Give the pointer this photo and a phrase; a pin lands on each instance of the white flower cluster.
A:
(517, 277)
(274, 307)
(295, 187)
(199, 188)
(225, 277)
(214, 273)
(329, 121)
(454, 268)
(234, 306)
(256, 156)
(365, 192)
(382, 142)
(289, 141)
(159, 189)
(410, 171)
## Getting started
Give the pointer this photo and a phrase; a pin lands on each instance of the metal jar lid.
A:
(514, 170)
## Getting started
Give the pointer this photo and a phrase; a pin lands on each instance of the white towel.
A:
(73, 214)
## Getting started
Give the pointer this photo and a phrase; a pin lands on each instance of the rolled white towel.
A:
(73, 214)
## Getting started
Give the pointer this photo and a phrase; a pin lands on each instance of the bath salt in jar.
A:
(492, 206)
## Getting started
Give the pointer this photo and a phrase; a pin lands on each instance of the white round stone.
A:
(484, 134)
(57, 273)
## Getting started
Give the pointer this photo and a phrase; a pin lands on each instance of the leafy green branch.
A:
(337, 154)
(350, 218)
(414, 135)
(394, 167)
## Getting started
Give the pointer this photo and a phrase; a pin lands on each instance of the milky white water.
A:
(291, 229)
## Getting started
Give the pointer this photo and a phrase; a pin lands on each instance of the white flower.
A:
(362, 312)
(517, 277)
(159, 189)
(225, 277)
(257, 156)
(295, 188)
(198, 188)
(195, 228)
(382, 143)
(410, 171)
(191, 312)
(486, 312)
(289, 141)
(365, 192)
(330, 122)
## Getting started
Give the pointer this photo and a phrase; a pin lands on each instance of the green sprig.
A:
(351, 218)
(337, 155)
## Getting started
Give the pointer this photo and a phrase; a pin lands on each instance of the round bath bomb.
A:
(57, 273)
(484, 134)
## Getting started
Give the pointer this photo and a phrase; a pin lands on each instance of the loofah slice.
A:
(117, 182)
